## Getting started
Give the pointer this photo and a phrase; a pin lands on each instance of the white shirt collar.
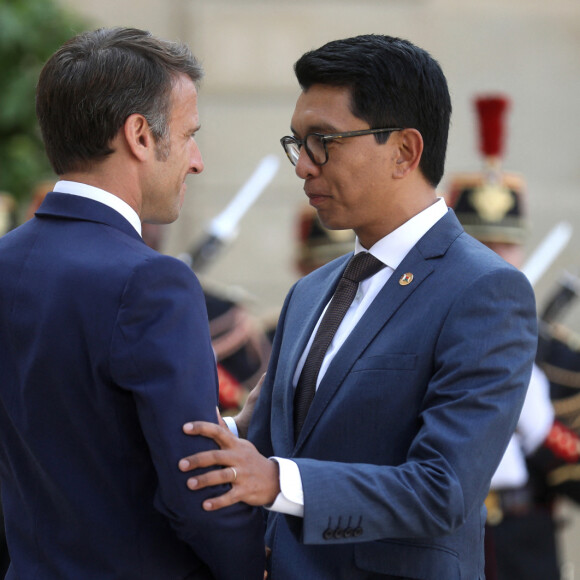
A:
(102, 196)
(392, 249)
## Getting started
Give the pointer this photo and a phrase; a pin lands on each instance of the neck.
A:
(108, 181)
(408, 206)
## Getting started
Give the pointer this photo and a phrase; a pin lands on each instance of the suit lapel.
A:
(419, 262)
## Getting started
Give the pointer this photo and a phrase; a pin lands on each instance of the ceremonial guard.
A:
(521, 529)
(241, 346)
(559, 358)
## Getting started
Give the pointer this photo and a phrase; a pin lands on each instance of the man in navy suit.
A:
(105, 347)
(422, 384)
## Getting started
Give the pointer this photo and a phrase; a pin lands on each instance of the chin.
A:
(333, 224)
(168, 217)
(172, 217)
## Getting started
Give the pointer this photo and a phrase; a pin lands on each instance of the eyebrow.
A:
(318, 129)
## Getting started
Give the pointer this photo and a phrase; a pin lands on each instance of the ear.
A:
(409, 152)
(138, 136)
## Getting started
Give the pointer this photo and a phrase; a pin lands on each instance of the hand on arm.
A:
(254, 478)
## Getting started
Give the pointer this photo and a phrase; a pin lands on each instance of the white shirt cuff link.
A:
(290, 500)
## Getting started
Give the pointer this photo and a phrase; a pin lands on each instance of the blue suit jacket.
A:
(105, 354)
(410, 420)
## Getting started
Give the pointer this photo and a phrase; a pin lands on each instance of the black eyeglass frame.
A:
(324, 138)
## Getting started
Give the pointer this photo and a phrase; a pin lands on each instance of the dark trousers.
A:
(524, 546)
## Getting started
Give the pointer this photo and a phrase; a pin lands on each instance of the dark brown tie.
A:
(361, 266)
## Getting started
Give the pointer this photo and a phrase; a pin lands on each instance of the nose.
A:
(196, 164)
(304, 167)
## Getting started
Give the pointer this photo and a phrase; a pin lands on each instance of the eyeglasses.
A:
(315, 144)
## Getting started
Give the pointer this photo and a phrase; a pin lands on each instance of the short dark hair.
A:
(393, 83)
(89, 87)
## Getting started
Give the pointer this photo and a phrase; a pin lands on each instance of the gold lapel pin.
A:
(406, 279)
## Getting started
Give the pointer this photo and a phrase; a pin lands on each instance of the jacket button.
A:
(328, 534)
(357, 532)
(348, 532)
(338, 533)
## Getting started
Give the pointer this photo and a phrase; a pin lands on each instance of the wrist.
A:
(274, 479)
(241, 426)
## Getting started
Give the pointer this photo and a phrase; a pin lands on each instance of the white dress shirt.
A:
(391, 250)
(534, 425)
(102, 196)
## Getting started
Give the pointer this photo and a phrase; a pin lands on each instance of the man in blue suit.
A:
(105, 347)
(422, 384)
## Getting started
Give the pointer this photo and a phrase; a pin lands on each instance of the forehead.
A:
(184, 96)
(323, 107)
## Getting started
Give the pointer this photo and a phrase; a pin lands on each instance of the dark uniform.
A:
(559, 358)
(241, 346)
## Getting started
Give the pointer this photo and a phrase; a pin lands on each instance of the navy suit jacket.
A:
(410, 420)
(105, 354)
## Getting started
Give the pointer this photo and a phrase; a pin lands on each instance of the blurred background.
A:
(528, 50)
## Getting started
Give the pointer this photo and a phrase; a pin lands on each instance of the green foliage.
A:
(30, 31)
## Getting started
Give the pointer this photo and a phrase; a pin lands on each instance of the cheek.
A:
(353, 191)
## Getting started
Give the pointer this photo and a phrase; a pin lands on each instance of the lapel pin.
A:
(406, 279)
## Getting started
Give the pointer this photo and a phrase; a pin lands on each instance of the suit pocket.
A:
(412, 561)
(405, 362)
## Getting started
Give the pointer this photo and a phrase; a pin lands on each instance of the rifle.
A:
(545, 254)
(224, 227)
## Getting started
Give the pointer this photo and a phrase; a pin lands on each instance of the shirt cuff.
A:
(231, 424)
(290, 500)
